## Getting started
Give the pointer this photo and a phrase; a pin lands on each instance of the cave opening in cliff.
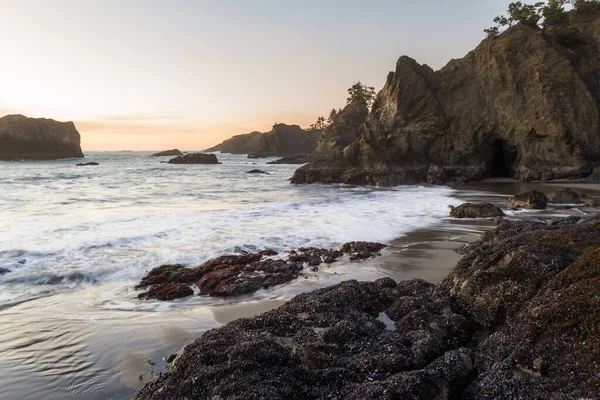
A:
(502, 160)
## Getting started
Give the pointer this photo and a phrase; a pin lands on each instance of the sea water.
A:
(77, 239)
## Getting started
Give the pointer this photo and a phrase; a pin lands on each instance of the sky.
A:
(158, 74)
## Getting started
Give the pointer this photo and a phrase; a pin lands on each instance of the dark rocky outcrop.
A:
(519, 106)
(23, 138)
(257, 171)
(4, 271)
(282, 140)
(530, 199)
(235, 275)
(295, 159)
(476, 210)
(195, 158)
(564, 196)
(516, 319)
(88, 164)
(239, 144)
(592, 203)
(167, 153)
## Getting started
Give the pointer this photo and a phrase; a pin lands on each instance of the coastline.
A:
(407, 257)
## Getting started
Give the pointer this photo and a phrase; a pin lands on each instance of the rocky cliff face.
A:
(282, 140)
(23, 138)
(519, 106)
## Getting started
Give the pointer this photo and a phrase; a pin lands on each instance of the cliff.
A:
(23, 138)
(520, 105)
(282, 140)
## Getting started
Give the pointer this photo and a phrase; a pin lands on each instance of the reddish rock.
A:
(167, 291)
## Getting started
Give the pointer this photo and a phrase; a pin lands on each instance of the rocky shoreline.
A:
(517, 318)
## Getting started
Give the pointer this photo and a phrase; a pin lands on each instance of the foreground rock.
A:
(564, 196)
(282, 140)
(516, 319)
(166, 153)
(295, 159)
(195, 158)
(88, 164)
(476, 210)
(531, 199)
(23, 138)
(235, 275)
(520, 105)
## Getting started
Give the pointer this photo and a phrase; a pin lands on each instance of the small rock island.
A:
(23, 138)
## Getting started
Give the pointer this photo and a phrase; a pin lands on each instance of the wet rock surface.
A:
(4, 271)
(476, 210)
(167, 153)
(564, 196)
(235, 275)
(195, 158)
(88, 164)
(530, 199)
(257, 171)
(517, 318)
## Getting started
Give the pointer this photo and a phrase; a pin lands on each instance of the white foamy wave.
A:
(100, 241)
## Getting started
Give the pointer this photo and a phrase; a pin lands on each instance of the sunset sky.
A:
(156, 74)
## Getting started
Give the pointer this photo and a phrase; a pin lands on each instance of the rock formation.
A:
(23, 138)
(238, 144)
(195, 158)
(282, 140)
(530, 199)
(520, 105)
(517, 319)
(295, 159)
(87, 164)
(234, 275)
(167, 153)
(476, 210)
(564, 196)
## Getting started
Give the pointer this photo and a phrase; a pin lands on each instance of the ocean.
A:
(76, 240)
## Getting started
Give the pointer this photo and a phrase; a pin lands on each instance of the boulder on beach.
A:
(516, 319)
(23, 138)
(564, 196)
(166, 153)
(88, 164)
(530, 199)
(195, 158)
(476, 210)
(257, 171)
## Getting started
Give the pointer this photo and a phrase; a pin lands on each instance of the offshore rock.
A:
(295, 159)
(517, 318)
(476, 210)
(88, 164)
(282, 140)
(518, 106)
(531, 199)
(172, 153)
(23, 138)
(195, 158)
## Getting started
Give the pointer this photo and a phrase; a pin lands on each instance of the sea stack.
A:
(23, 138)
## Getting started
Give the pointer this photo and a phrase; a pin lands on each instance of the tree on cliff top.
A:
(360, 92)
